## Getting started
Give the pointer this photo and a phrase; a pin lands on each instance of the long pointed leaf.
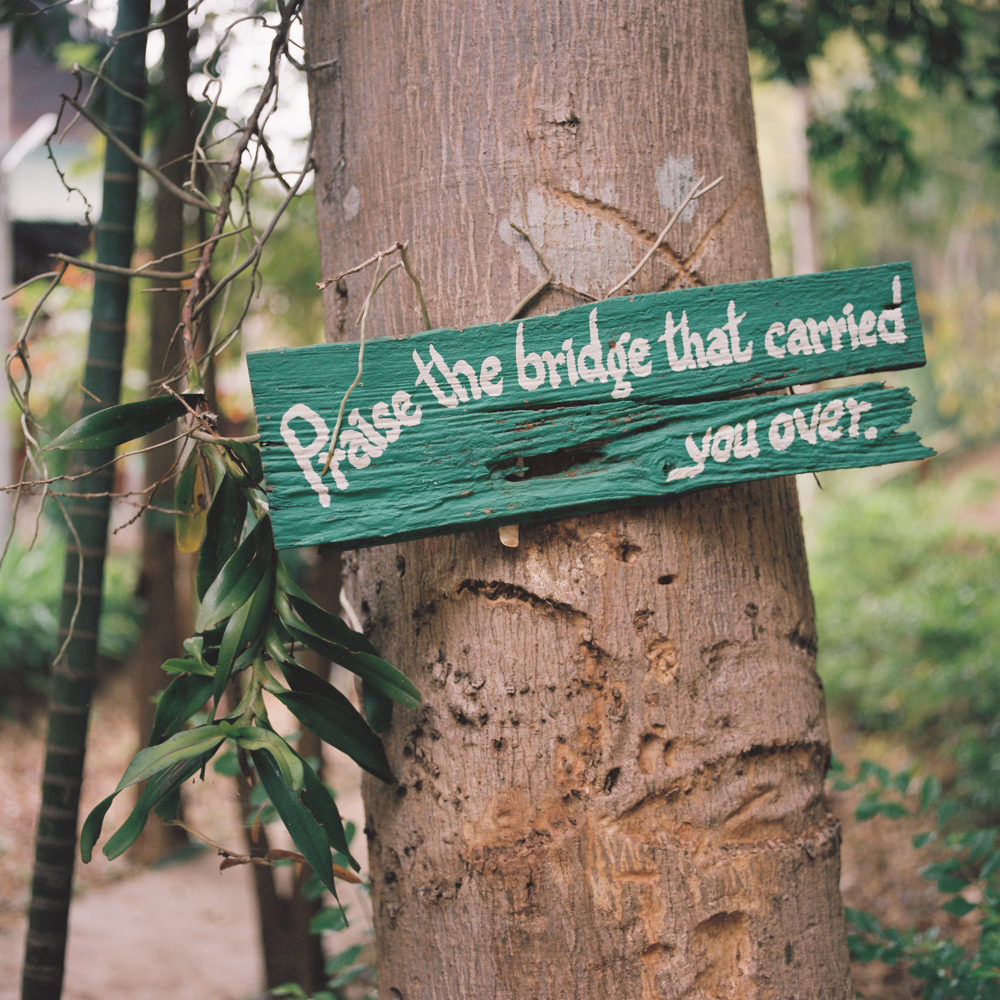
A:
(244, 636)
(160, 786)
(254, 738)
(319, 800)
(307, 834)
(337, 722)
(369, 667)
(114, 425)
(179, 747)
(222, 532)
(321, 622)
(378, 707)
(191, 502)
(239, 577)
(182, 698)
(164, 784)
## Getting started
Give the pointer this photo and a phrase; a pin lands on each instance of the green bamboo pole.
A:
(73, 676)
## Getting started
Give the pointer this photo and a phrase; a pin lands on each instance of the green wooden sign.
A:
(591, 408)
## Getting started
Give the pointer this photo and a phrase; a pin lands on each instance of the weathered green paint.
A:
(588, 400)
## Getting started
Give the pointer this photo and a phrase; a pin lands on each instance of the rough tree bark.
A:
(166, 624)
(614, 787)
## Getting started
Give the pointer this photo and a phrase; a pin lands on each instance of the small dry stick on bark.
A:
(362, 319)
(692, 194)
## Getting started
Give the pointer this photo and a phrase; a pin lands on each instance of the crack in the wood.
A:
(495, 590)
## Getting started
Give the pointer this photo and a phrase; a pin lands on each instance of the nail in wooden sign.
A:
(600, 406)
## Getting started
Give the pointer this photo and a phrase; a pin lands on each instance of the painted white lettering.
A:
(532, 382)
(618, 367)
(830, 417)
(865, 335)
(400, 404)
(856, 410)
(688, 341)
(638, 351)
(837, 328)
(772, 348)
(305, 455)
(574, 376)
(798, 338)
(464, 368)
(382, 420)
(781, 433)
(741, 355)
(452, 378)
(697, 454)
(593, 352)
(816, 330)
(378, 443)
(750, 449)
(722, 443)
(357, 447)
(553, 361)
(807, 431)
(426, 377)
(489, 371)
(898, 334)
(718, 352)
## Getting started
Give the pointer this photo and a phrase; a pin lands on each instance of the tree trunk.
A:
(73, 675)
(165, 626)
(614, 787)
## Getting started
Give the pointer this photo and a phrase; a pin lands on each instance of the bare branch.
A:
(186, 196)
(128, 272)
(416, 284)
(692, 194)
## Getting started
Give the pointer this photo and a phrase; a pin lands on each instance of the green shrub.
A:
(908, 613)
(30, 590)
(966, 871)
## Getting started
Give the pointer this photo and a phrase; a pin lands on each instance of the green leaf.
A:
(92, 827)
(330, 918)
(951, 883)
(958, 906)
(922, 839)
(191, 502)
(179, 747)
(369, 667)
(223, 526)
(158, 788)
(378, 707)
(321, 622)
(930, 792)
(115, 425)
(319, 800)
(342, 960)
(990, 865)
(254, 738)
(177, 665)
(243, 462)
(863, 921)
(946, 811)
(244, 635)
(182, 698)
(308, 836)
(239, 577)
(337, 722)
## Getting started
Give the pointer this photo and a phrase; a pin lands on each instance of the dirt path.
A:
(179, 932)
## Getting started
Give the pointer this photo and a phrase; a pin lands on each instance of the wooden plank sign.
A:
(594, 407)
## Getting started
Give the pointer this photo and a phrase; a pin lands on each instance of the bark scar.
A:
(495, 590)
